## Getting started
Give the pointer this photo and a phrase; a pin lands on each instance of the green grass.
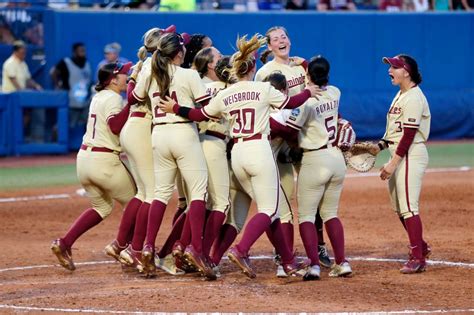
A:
(42, 176)
(441, 155)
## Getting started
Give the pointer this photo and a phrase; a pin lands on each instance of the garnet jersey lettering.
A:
(317, 120)
(186, 89)
(408, 110)
(246, 106)
(295, 76)
(103, 105)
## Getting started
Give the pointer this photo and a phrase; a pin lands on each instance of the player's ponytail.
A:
(243, 61)
(264, 56)
(169, 45)
(222, 70)
(414, 72)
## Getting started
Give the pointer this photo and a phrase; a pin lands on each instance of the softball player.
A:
(240, 200)
(175, 146)
(246, 106)
(99, 169)
(135, 138)
(213, 137)
(408, 129)
(294, 69)
(317, 123)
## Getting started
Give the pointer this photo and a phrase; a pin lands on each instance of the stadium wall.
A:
(443, 44)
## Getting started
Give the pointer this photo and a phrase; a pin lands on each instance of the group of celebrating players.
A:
(225, 134)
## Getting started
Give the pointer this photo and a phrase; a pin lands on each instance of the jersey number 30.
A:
(244, 120)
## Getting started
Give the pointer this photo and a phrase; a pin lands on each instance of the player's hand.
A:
(315, 90)
(167, 104)
(389, 168)
(373, 149)
(296, 61)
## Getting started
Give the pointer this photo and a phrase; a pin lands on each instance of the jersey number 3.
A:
(244, 120)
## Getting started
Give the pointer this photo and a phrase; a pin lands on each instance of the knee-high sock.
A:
(280, 242)
(213, 225)
(128, 221)
(173, 236)
(319, 228)
(289, 232)
(336, 236)
(309, 237)
(415, 234)
(180, 210)
(185, 237)
(227, 236)
(155, 217)
(254, 229)
(197, 217)
(86, 221)
(402, 220)
(141, 223)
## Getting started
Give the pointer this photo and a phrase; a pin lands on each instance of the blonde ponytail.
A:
(243, 61)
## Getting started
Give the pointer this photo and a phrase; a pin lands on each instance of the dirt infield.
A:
(372, 231)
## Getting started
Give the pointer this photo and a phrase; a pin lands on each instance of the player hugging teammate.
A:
(247, 118)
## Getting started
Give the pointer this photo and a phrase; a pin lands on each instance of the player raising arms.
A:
(99, 168)
(317, 120)
(246, 106)
(294, 69)
(175, 145)
(408, 128)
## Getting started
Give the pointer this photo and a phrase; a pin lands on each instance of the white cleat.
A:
(341, 270)
(281, 272)
(168, 265)
(313, 273)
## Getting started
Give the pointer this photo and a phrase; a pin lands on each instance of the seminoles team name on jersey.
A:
(295, 81)
(395, 111)
(241, 96)
(326, 106)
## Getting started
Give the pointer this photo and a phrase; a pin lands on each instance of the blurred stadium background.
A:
(354, 42)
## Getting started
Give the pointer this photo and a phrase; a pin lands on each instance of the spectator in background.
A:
(111, 55)
(16, 77)
(442, 5)
(177, 5)
(196, 43)
(296, 5)
(75, 76)
(336, 5)
(418, 5)
(391, 5)
(463, 5)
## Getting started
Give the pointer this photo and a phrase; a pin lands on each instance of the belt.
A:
(321, 148)
(172, 123)
(257, 136)
(215, 134)
(138, 114)
(98, 149)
